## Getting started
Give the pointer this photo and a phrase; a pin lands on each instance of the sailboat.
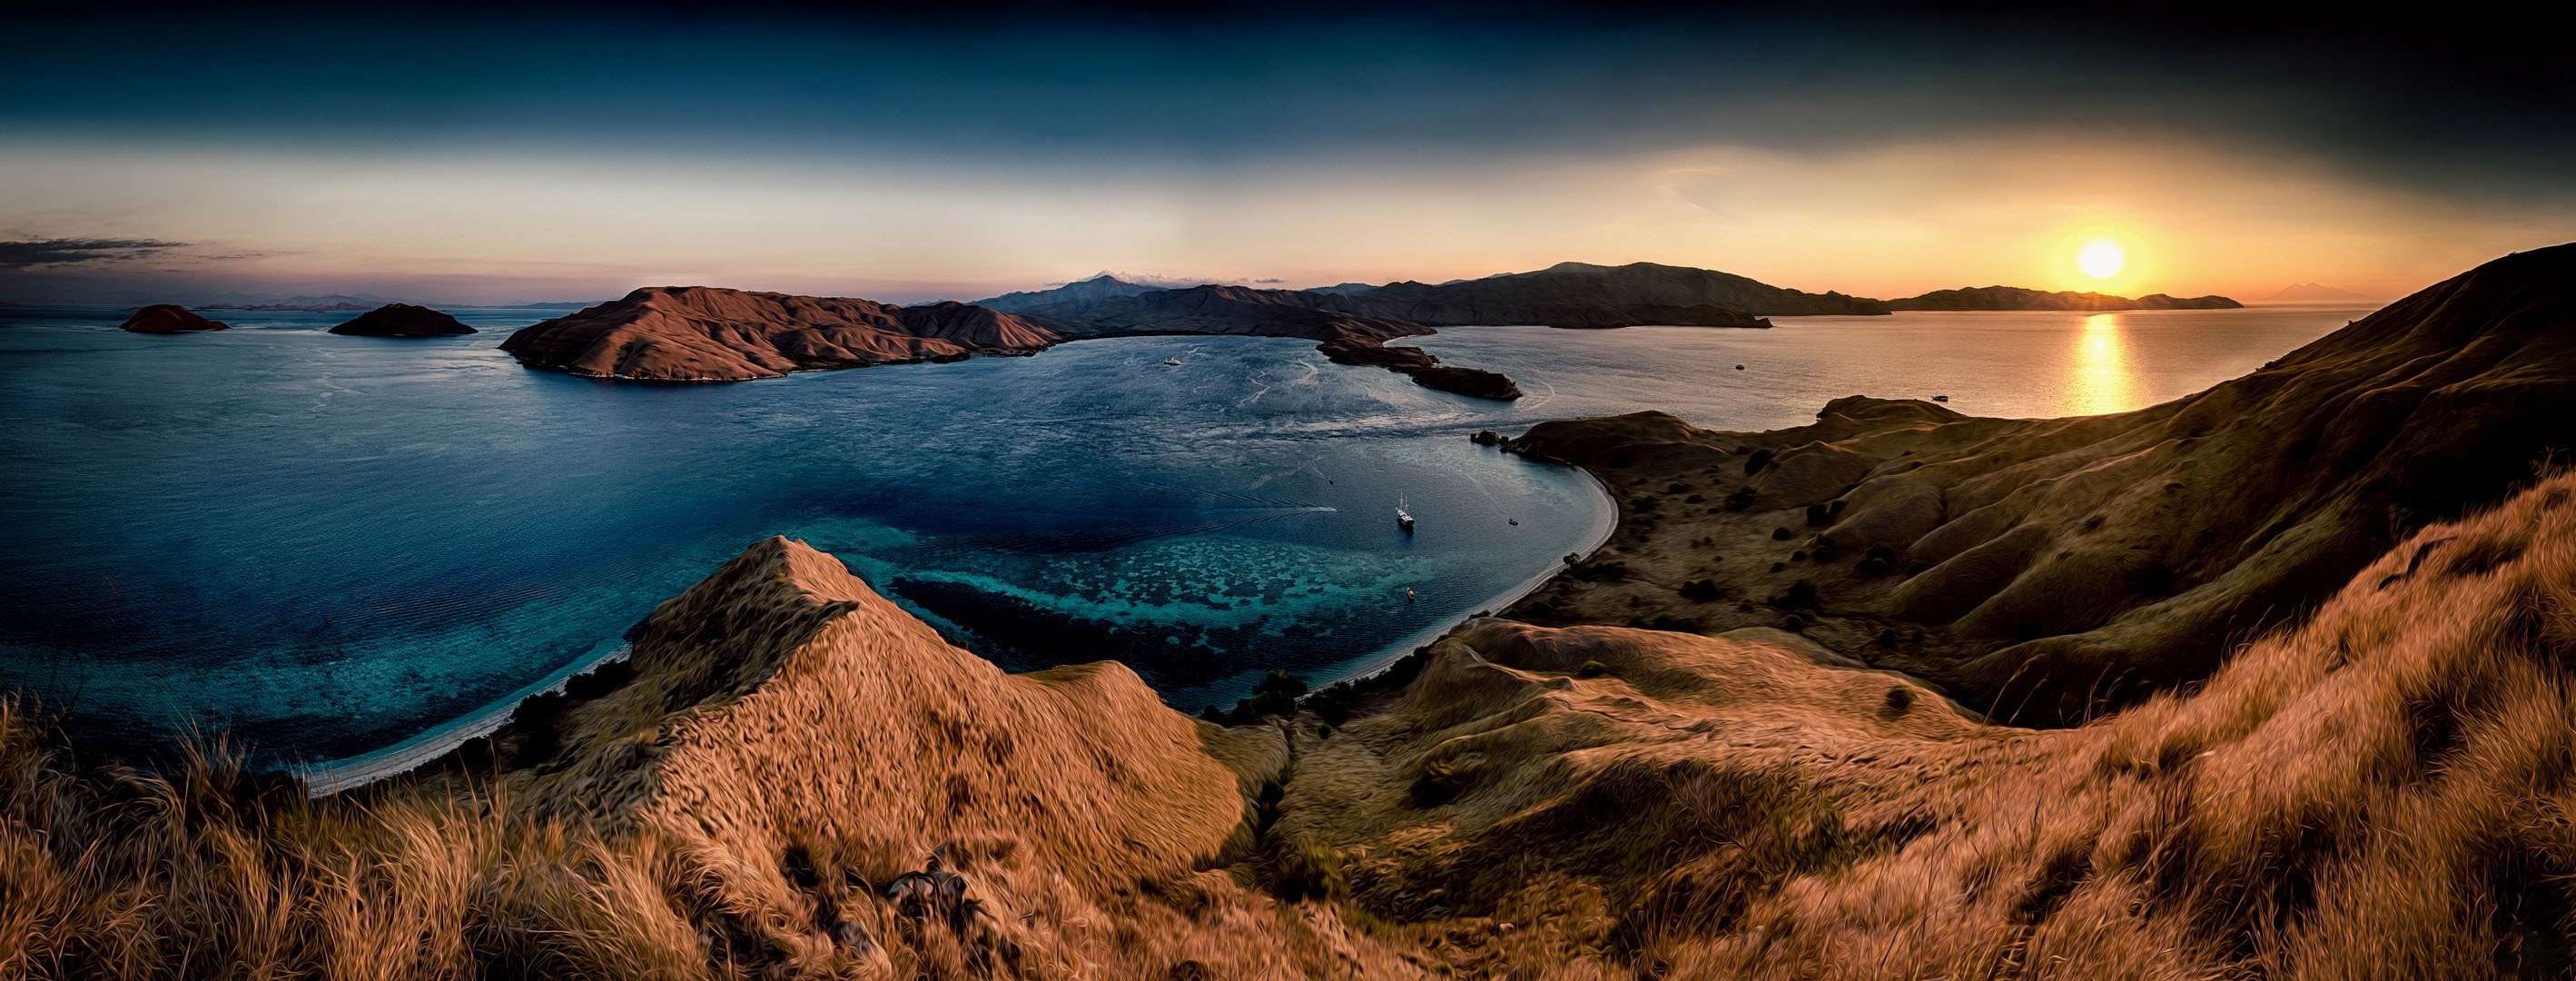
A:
(1403, 518)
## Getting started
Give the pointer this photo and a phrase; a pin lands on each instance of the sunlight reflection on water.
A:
(2102, 380)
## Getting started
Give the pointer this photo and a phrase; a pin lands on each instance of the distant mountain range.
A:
(2017, 298)
(2314, 293)
(1575, 294)
(1100, 287)
(324, 302)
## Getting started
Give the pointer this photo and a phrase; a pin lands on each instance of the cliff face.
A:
(166, 318)
(697, 333)
(402, 320)
(2053, 569)
(2017, 298)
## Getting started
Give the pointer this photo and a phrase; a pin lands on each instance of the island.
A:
(710, 334)
(402, 320)
(169, 318)
(2018, 298)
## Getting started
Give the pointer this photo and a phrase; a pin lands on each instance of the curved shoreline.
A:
(334, 776)
(1385, 657)
(350, 772)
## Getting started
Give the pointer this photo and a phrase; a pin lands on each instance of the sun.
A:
(2101, 259)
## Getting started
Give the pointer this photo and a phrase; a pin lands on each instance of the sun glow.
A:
(2102, 259)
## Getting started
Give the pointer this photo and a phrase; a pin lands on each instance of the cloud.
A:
(53, 253)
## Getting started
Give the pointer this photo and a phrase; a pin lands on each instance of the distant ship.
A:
(1172, 362)
(1403, 518)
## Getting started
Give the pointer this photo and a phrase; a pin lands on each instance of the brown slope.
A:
(2049, 568)
(2018, 298)
(700, 333)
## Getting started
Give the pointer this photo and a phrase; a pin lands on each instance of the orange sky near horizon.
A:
(1888, 219)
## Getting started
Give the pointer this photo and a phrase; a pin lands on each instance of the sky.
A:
(533, 152)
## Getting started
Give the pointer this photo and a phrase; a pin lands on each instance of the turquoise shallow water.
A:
(327, 545)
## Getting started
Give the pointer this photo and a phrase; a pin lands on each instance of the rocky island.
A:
(709, 334)
(168, 318)
(402, 320)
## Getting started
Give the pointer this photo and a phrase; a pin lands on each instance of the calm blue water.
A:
(329, 544)
(324, 544)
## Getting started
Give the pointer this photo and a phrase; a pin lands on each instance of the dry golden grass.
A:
(2383, 791)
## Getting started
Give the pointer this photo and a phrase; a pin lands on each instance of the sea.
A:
(345, 553)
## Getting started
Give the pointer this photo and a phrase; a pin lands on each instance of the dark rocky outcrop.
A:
(402, 320)
(170, 318)
(2018, 298)
(1424, 369)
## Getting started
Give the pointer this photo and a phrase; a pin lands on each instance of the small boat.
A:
(1940, 398)
(1408, 594)
(1739, 367)
(1403, 518)
(1516, 521)
(1171, 362)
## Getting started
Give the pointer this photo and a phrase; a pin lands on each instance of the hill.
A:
(1597, 296)
(1100, 287)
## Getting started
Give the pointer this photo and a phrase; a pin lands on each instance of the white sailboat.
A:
(1403, 518)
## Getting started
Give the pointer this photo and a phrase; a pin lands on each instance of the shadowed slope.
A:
(2049, 568)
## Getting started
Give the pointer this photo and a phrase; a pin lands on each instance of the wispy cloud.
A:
(50, 252)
